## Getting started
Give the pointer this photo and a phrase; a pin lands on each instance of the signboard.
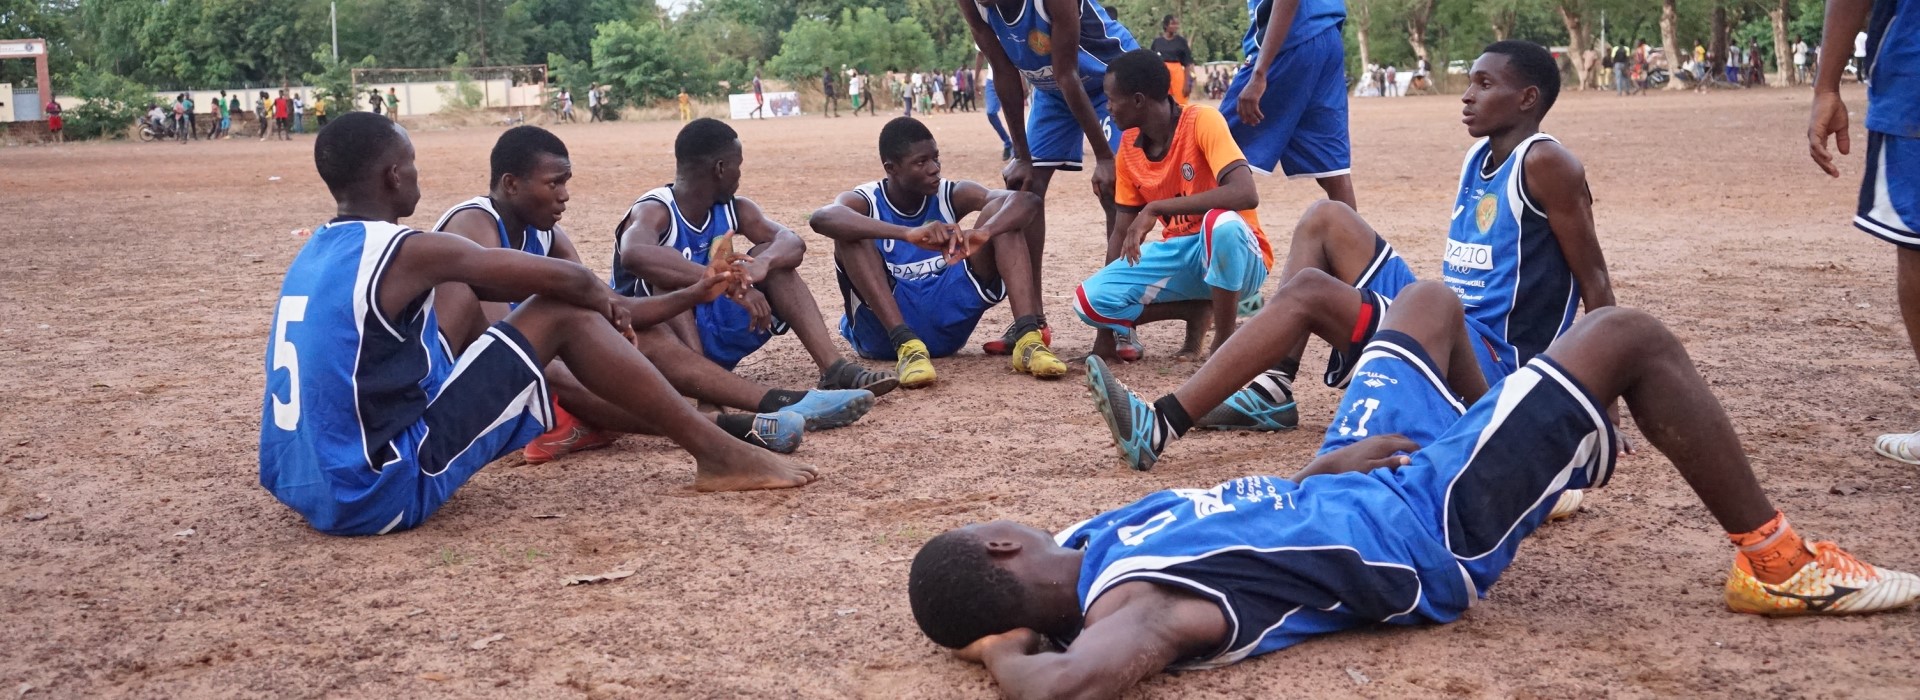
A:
(778, 104)
(23, 48)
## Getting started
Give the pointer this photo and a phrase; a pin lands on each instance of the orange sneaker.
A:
(1834, 583)
(568, 435)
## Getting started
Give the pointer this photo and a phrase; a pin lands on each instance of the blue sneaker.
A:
(825, 409)
(1247, 409)
(1130, 420)
(777, 432)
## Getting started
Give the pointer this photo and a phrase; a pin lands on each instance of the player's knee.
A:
(1310, 286)
(1633, 327)
(1429, 298)
(1102, 305)
(1325, 215)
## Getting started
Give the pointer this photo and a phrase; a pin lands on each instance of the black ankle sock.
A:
(1173, 416)
(900, 334)
(777, 399)
(735, 424)
(1288, 368)
(1024, 325)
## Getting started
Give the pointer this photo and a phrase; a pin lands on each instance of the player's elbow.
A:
(822, 221)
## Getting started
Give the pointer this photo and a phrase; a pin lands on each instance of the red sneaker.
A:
(1003, 345)
(568, 435)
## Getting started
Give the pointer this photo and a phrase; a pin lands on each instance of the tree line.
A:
(708, 47)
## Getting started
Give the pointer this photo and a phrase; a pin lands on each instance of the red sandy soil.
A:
(136, 298)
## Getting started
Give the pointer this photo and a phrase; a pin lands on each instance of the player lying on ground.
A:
(521, 211)
(1300, 128)
(1521, 250)
(369, 424)
(1890, 189)
(1363, 535)
(1179, 168)
(914, 281)
(664, 244)
(1061, 48)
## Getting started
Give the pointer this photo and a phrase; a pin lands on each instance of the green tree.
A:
(642, 61)
(334, 81)
(112, 104)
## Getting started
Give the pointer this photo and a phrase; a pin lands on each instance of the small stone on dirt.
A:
(434, 676)
(35, 517)
(1847, 488)
(1358, 677)
(484, 642)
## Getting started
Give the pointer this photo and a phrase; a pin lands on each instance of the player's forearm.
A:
(655, 310)
(1122, 223)
(1013, 104)
(846, 225)
(1843, 23)
(1279, 23)
(660, 266)
(1596, 289)
(1047, 676)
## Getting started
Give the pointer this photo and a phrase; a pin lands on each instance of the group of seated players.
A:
(403, 361)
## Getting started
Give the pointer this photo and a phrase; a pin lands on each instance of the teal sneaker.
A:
(1247, 409)
(777, 432)
(1130, 420)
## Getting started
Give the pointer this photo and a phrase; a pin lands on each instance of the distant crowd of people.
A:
(274, 115)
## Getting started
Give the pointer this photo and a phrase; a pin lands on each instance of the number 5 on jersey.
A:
(286, 414)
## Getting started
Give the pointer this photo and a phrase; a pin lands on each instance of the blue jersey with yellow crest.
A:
(1502, 258)
(1027, 38)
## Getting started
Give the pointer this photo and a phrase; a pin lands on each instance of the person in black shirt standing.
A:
(1179, 57)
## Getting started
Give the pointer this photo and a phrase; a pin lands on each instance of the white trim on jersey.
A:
(1513, 390)
(664, 195)
(1373, 269)
(1056, 163)
(366, 283)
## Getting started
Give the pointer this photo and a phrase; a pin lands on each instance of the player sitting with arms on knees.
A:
(1299, 128)
(1521, 249)
(1192, 578)
(521, 211)
(368, 424)
(1181, 169)
(915, 282)
(665, 240)
(1061, 48)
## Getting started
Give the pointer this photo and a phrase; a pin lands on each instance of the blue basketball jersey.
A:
(682, 235)
(1502, 258)
(1309, 20)
(343, 381)
(1284, 561)
(1893, 68)
(532, 240)
(906, 261)
(1028, 40)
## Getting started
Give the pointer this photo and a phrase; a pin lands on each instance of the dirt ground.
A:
(141, 557)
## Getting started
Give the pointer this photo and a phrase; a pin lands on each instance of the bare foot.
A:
(749, 470)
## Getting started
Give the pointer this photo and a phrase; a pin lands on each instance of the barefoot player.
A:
(915, 282)
(1367, 535)
(368, 425)
(521, 211)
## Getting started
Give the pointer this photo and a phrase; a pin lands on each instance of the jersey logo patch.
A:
(1041, 43)
(1469, 256)
(1484, 212)
(1186, 171)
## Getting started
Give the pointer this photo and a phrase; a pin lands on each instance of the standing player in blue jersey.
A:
(914, 281)
(1368, 534)
(993, 105)
(1890, 191)
(368, 423)
(527, 195)
(1521, 248)
(1300, 126)
(1061, 48)
(663, 242)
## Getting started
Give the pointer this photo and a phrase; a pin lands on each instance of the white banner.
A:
(778, 104)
